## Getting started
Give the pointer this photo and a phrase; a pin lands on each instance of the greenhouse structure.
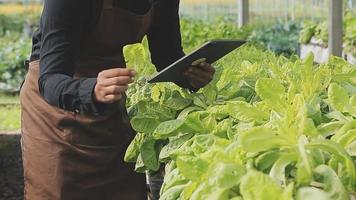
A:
(178, 100)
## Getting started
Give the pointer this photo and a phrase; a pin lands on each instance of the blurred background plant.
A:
(281, 37)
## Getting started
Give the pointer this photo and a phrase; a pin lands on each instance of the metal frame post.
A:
(243, 12)
(335, 27)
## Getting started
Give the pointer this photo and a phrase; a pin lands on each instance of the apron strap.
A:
(108, 4)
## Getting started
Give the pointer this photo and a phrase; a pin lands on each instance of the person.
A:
(75, 127)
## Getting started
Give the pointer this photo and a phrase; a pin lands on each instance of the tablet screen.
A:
(210, 52)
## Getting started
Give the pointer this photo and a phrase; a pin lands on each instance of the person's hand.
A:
(111, 84)
(199, 75)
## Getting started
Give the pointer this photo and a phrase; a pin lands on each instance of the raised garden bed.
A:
(351, 59)
(321, 53)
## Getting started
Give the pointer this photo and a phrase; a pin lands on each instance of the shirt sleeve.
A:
(164, 37)
(62, 28)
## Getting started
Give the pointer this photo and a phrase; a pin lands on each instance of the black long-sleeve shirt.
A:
(57, 42)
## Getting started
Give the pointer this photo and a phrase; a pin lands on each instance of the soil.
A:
(11, 170)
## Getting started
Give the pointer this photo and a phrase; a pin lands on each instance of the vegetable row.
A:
(267, 127)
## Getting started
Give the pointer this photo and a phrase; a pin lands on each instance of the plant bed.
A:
(351, 59)
(267, 127)
(321, 53)
(11, 173)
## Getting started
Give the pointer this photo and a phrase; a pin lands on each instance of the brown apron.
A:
(70, 156)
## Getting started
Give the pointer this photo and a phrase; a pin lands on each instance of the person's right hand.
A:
(112, 83)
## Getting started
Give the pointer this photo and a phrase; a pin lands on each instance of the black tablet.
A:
(210, 52)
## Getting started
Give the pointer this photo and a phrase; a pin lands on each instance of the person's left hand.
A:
(199, 75)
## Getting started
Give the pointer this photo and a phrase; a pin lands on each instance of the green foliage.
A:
(11, 24)
(258, 186)
(307, 32)
(15, 23)
(267, 127)
(14, 50)
(320, 32)
(350, 33)
(281, 37)
(137, 58)
(195, 32)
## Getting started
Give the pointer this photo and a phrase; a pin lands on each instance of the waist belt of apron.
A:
(72, 156)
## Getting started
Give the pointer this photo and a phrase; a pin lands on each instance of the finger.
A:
(195, 84)
(112, 98)
(190, 69)
(206, 66)
(192, 82)
(197, 79)
(202, 73)
(115, 72)
(115, 89)
(121, 80)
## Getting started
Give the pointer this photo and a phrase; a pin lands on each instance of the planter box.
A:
(351, 59)
(321, 53)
